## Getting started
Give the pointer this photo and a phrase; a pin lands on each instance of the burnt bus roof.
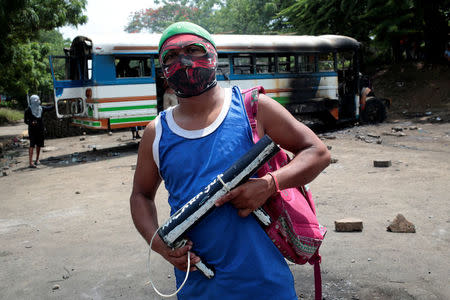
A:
(148, 43)
(283, 43)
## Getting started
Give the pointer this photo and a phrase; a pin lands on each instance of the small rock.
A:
(77, 192)
(168, 276)
(382, 163)
(400, 224)
(369, 259)
(333, 160)
(56, 287)
(65, 277)
(49, 149)
(82, 138)
(399, 134)
(397, 129)
(353, 261)
(329, 137)
(110, 133)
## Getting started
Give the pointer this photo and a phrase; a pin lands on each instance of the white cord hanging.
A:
(149, 269)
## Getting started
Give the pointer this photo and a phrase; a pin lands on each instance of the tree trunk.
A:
(435, 30)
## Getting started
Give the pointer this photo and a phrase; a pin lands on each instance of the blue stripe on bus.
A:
(126, 81)
(277, 75)
(141, 53)
(150, 80)
(71, 83)
(122, 81)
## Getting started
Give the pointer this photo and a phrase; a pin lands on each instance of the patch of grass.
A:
(8, 115)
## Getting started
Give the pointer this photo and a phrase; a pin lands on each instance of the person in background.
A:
(135, 132)
(447, 53)
(206, 132)
(36, 129)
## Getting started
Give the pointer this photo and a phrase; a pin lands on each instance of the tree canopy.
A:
(218, 16)
(382, 23)
(24, 29)
(390, 23)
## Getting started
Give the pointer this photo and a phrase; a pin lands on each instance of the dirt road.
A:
(66, 230)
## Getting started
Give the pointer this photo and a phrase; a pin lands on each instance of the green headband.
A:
(184, 27)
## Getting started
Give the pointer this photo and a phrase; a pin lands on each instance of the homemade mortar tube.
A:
(173, 230)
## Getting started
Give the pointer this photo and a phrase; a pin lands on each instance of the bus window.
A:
(133, 67)
(61, 67)
(286, 64)
(306, 63)
(325, 62)
(344, 60)
(242, 64)
(224, 65)
(265, 64)
(156, 62)
(89, 68)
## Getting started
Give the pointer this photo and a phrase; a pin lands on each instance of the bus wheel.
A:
(374, 112)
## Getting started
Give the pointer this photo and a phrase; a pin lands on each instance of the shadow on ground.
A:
(89, 156)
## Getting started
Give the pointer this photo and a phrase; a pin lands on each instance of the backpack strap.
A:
(251, 97)
(317, 281)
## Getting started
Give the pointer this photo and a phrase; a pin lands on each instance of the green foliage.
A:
(25, 27)
(217, 16)
(156, 20)
(248, 17)
(328, 17)
(388, 22)
(8, 115)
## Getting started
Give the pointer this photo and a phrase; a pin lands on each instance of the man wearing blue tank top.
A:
(188, 145)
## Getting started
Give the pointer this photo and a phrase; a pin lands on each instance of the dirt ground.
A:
(66, 230)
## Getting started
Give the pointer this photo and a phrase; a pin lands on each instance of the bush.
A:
(13, 103)
(8, 115)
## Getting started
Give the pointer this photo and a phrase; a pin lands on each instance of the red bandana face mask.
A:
(189, 75)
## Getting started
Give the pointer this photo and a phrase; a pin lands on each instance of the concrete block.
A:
(348, 224)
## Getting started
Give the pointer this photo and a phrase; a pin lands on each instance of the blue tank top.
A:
(247, 264)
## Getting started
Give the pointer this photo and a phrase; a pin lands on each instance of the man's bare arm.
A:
(311, 157)
(142, 203)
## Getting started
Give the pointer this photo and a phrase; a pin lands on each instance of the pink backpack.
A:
(294, 228)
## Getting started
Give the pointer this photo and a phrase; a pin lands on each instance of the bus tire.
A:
(374, 112)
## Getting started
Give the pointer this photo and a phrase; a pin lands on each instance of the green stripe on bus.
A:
(282, 100)
(135, 119)
(126, 107)
(88, 123)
